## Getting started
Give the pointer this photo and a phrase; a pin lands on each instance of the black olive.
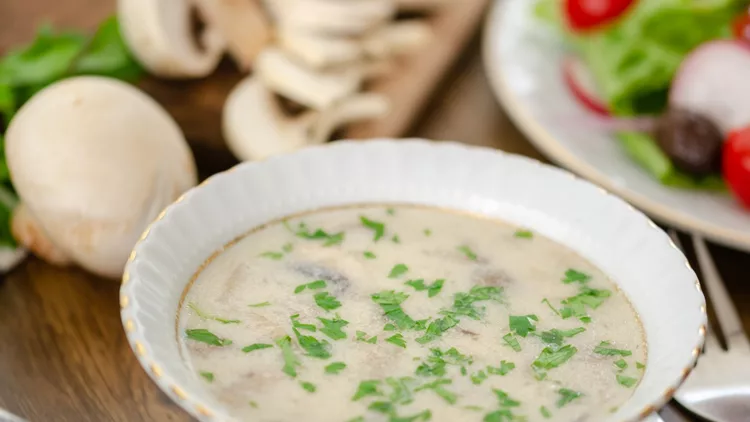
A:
(691, 140)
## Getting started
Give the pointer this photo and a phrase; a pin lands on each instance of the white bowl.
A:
(602, 228)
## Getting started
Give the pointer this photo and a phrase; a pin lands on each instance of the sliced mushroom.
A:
(319, 50)
(242, 23)
(159, 34)
(398, 38)
(332, 16)
(256, 127)
(315, 89)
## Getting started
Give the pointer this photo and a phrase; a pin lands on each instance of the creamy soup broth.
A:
(341, 315)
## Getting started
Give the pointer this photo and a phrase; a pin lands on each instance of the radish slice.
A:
(581, 83)
(714, 80)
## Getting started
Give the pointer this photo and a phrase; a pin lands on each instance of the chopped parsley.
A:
(422, 416)
(523, 234)
(620, 363)
(628, 382)
(357, 419)
(315, 285)
(315, 348)
(639, 365)
(253, 404)
(427, 232)
(545, 412)
(288, 247)
(396, 239)
(502, 415)
(333, 327)
(209, 376)
(468, 252)
(437, 387)
(545, 300)
(272, 255)
(432, 289)
(552, 358)
(390, 302)
(301, 326)
(523, 324)
(377, 227)
(463, 303)
(437, 328)
(604, 349)
(204, 336)
(362, 336)
(369, 255)
(309, 387)
(575, 276)
(567, 396)
(511, 341)
(204, 315)
(304, 232)
(398, 270)
(397, 339)
(290, 360)
(256, 346)
(434, 365)
(504, 400)
(478, 377)
(326, 301)
(335, 368)
(367, 388)
(390, 211)
(389, 327)
(384, 407)
(588, 297)
(260, 305)
(401, 393)
(504, 369)
(555, 336)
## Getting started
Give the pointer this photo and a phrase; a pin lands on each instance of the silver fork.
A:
(718, 389)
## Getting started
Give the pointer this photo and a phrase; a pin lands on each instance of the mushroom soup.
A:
(408, 314)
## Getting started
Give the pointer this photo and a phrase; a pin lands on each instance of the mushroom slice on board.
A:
(159, 33)
(94, 160)
(319, 50)
(242, 23)
(256, 126)
(311, 88)
(397, 38)
(343, 17)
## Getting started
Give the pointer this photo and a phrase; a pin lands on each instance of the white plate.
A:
(611, 234)
(523, 61)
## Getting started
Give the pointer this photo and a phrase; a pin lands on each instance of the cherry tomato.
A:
(742, 27)
(736, 164)
(584, 15)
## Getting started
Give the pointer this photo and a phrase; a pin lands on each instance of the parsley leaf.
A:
(367, 388)
(435, 364)
(384, 407)
(478, 377)
(396, 239)
(204, 336)
(309, 387)
(422, 416)
(362, 336)
(256, 346)
(315, 285)
(390, 211)
(288, 247)
(209, 376)
(437, 328)
(504, 399)
(575, 276)
(512, 342)
(326, 301)
(369, 255)
(397, 339)
(204, 315)
(432, 290)
(260, 305)
(272, 255)
(319, 234)
(389, 327)
(555, 336)
(545, 300)
(523, 234)
(551, 358)
(437, 387)
(468, 252)
(620, 363)
(301, 326)
(332, 327)
(376, 226)
(588, 297)
(523, 324)
(335, 368)
(398, 270)
(567, 396)
(315, 348)
(639, 365)
(290, 360)
(545, 412)
(504, 369)
(390, 301)
(604, 349)
(628, 382)
(427, 232)
(401, 393)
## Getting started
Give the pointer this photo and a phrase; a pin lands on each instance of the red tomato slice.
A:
(736, 164)
(584, 15)
(742, 27)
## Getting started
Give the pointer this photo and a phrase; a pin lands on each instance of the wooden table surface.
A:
(63, 353)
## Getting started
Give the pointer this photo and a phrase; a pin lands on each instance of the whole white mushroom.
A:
(94, 160)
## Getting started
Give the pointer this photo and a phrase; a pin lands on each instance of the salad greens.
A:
(53, 56)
